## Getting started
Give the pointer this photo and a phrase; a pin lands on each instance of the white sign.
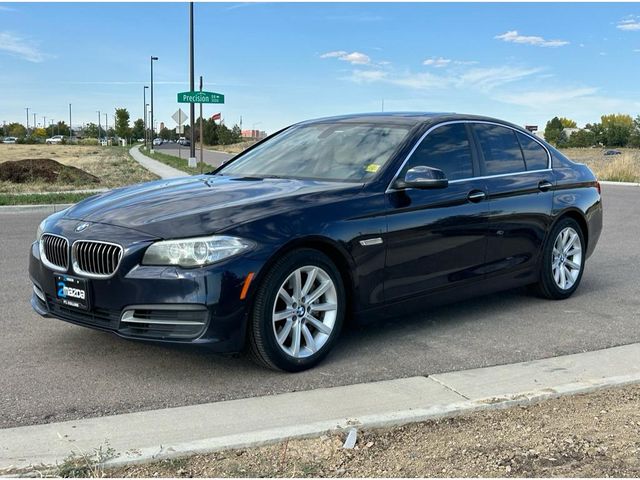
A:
(180, 117)
(180, 129)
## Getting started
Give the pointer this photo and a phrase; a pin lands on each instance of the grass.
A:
(42, 198)
(233, 148)
(615, 168)
(175, 162)
(112, 165)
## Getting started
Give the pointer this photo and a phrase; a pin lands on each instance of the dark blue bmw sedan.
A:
(350, 217)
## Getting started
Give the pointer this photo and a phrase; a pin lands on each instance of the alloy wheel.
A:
(566, 261)
(305, 311)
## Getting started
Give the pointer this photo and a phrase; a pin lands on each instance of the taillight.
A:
(598, 187)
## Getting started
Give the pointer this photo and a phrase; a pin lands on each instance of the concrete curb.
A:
(51, 208)
(177, 432)
(620, 184)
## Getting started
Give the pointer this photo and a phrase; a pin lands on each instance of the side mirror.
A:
(423, 177)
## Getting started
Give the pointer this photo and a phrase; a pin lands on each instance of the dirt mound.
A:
(44, 169)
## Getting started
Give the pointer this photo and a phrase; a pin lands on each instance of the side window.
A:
(446, 148)
(500, 148)
(534, 154)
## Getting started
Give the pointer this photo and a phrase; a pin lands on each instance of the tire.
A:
(556, 267)
(284, 328)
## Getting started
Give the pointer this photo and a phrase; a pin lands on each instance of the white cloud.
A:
(437, 62)
(20, 47)
(514, 37)
(440, 62)
(356, 58)
(632, 22)
(477, 79)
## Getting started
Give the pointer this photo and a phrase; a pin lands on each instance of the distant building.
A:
(254, 134)
(161, 126)
(567, 132)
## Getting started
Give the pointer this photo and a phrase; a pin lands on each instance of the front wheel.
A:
(562, 261)
(298, 312)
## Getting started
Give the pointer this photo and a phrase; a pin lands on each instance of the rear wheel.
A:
(562, 261)
(298, 312)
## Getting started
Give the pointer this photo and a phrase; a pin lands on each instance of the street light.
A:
(146, 129)
(27, 109)
(99, 127)
(106, 128)
(144, 107)
(153, 132)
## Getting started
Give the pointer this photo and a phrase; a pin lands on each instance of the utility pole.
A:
(192, 151)
(27, 109)
(144, 106)
(201, 132)
(70, 131)
(34, 121)
(153, 132)
(99, 127)
(44, 123)
(106, 127)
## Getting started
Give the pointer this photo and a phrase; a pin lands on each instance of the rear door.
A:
(437, 238)
(520, 197)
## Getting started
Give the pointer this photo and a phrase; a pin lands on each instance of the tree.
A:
(122, 129)
(165, 134)
(39, 132)
(60, 128)
(236, 134)
(634, 139)
(617, 129)
(582, 138)
(91, 130)
(553, 130)
(568, 123)
(138, 129)
(16, 130)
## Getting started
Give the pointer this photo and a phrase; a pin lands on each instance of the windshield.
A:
(322, 151)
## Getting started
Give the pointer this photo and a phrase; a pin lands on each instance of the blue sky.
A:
(282, 63)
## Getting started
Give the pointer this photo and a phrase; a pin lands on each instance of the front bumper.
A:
(160, 304)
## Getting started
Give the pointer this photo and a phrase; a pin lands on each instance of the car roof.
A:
(409, 119)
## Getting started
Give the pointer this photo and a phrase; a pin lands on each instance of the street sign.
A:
(180, 129)
(180, 117)
(200, 97)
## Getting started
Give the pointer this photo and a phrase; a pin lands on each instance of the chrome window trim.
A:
(451, 122)
(43, 257)
(79, 271)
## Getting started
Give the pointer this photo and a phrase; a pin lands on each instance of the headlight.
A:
(40, 230)
(195, 252)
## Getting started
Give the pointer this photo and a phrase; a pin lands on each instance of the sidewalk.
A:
(168, 433)
(159, 168)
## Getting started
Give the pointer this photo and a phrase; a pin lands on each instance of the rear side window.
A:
(500, 148)
(446, 148)
(534, 154)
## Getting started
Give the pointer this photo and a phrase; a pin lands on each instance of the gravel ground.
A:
(592, 435)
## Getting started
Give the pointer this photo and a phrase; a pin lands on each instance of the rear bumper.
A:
(157, 304)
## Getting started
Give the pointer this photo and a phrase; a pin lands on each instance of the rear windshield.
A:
(322, 151)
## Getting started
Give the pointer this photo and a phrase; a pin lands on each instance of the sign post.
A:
(200, 97)
(180, 117)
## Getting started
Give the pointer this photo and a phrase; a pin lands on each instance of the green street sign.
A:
(200, 97)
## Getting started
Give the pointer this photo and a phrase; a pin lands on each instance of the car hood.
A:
(199, 205)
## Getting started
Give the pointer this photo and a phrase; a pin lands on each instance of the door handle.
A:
(476, 196)
(544, 185)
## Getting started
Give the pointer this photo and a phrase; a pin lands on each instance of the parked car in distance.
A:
(157, 141)
(612, 152)
(9, 140)
(185, 142)
(56, 139)
(355, 217)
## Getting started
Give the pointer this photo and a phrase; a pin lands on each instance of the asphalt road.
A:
(210, 157)
(55, 371)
